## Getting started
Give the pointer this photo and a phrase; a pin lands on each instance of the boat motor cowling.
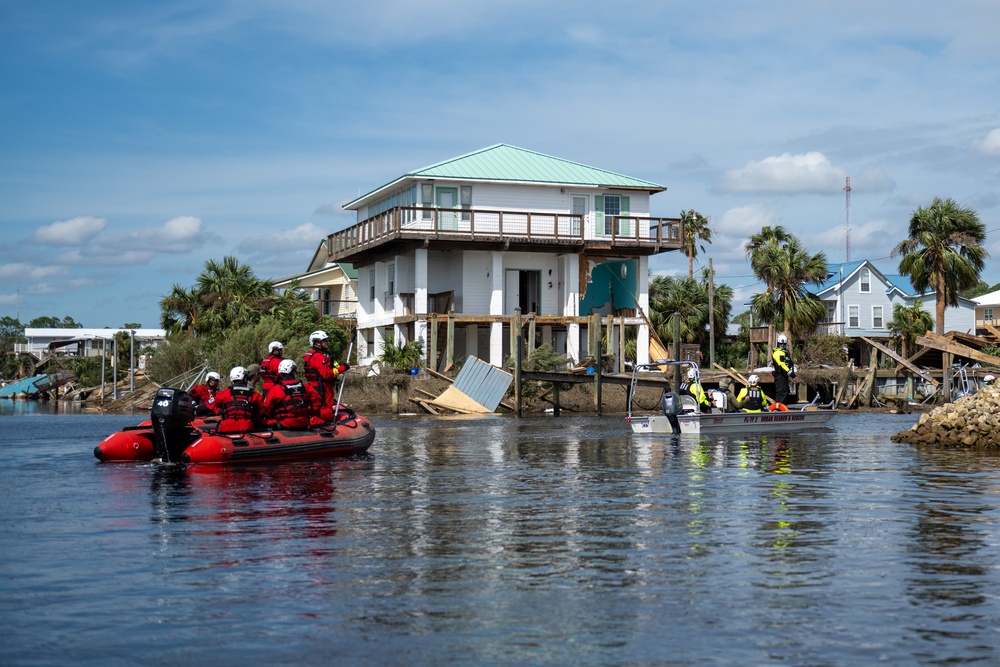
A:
(671, 408)
(172, 411)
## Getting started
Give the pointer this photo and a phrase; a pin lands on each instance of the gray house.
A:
(860, 298)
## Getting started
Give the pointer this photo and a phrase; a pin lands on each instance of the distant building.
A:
(987, 312)
(860, 298)
(332, 286)
(462, 245)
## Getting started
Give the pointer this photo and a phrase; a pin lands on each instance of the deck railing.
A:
(488, 225)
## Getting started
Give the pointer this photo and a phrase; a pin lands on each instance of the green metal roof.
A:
(505, 163)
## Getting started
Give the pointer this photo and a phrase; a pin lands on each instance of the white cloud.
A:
(809, 172)
(181, 234)
(28, 272)
(990, 145)
(304, 237)
(77, 231)
(873, 180)
(869, 240)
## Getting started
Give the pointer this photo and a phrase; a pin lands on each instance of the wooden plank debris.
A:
(898, 359)
(945, 344)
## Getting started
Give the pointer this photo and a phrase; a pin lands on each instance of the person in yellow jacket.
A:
(692, 387)
(783, 368)
(752, 398)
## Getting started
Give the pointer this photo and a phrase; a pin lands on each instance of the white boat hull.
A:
(735, 422)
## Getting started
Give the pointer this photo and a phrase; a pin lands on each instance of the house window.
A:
(866, 281)
(391, 280)
(427, 199)
(612, 207)
(853, 317)
(877, 317)
(580, 209)
(371, 286)
(987, 313)
(466, 202)
(326, 302)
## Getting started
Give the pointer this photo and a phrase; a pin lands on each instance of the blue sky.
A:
(138, 139)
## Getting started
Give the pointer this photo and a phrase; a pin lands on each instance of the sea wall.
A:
(971, 421)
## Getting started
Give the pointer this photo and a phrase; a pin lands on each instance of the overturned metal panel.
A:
(479, 387)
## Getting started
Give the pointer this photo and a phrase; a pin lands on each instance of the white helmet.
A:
(753, 380)
(317, 336)
(275, 345)
(692, 374)
(237, 374)
(212, 375)
(782, 339)
(989, 379)
(286, 367)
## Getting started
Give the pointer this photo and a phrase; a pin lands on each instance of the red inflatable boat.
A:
(174, 435)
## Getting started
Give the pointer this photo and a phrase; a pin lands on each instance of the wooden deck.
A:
(403, 227)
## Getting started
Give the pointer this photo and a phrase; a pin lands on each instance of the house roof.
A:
(988, 299)
(895, 281)
(504, 163)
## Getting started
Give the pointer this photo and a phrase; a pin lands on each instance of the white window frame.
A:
(878, 320)
(371, 286)
(865, 281)
(853, 316)
(612, 218)
(988, 313)
(390, 280)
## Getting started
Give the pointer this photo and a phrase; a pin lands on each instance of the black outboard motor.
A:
(671, 408)
(171, 413)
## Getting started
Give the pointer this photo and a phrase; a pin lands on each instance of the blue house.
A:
(860, 298)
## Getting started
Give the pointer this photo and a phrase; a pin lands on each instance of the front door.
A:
(447, 204)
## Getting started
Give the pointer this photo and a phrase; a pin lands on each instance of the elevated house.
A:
(332, 286)
(453, 253)
(987, 313)
(860, 298)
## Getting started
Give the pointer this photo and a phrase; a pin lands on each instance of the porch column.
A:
(571, 308)
(642, 335)
(420, 297)
(496, 307)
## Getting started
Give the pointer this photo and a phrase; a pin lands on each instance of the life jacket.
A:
(312, 375)
(684, 388)
(269, 371)
(754, 400)
(293, 410)
(239, 407)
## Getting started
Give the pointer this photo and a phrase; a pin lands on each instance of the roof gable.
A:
(503, 163)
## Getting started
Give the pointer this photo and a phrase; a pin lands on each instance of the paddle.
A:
(340, 391)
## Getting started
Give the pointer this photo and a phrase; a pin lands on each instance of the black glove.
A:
(791, 375)
(344, 367)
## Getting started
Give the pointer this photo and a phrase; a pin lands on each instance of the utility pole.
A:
(847, 190)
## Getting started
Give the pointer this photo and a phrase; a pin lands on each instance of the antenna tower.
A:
(847, 189)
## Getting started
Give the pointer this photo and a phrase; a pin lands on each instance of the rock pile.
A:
(971, 421)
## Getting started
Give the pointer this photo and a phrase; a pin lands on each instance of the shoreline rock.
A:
(971, 422)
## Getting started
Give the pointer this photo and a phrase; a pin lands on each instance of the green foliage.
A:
(822, 349)
(175, 357)
(784, 265)
(400, 358)
(696, 228)
(49, 322)
(88, 370)
(689, 299)
(944, 252)
(980, 289)
(906, 324)
(542, 358)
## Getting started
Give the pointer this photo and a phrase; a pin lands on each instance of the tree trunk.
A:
(940, 304)
(690, 263)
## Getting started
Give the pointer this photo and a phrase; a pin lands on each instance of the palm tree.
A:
(179, 310)
(695, 229)
(907, 324)
(688, 298)
(944, 251)
(786, 267)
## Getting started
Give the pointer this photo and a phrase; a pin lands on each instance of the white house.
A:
(332, 286)
(987, 312)
(42, 342)
(457, 248)
(860, 298)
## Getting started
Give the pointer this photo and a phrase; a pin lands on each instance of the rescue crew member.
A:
(204, 395)
(988, 380)
(291, 403)
(783, 368)
(269, 365)
(752, 398)
(239, 405)
(729, 402)
(692, 387)
(321, 371)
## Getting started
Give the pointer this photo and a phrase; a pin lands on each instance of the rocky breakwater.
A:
(971, 421)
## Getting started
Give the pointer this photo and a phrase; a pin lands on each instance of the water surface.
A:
(497, 541)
